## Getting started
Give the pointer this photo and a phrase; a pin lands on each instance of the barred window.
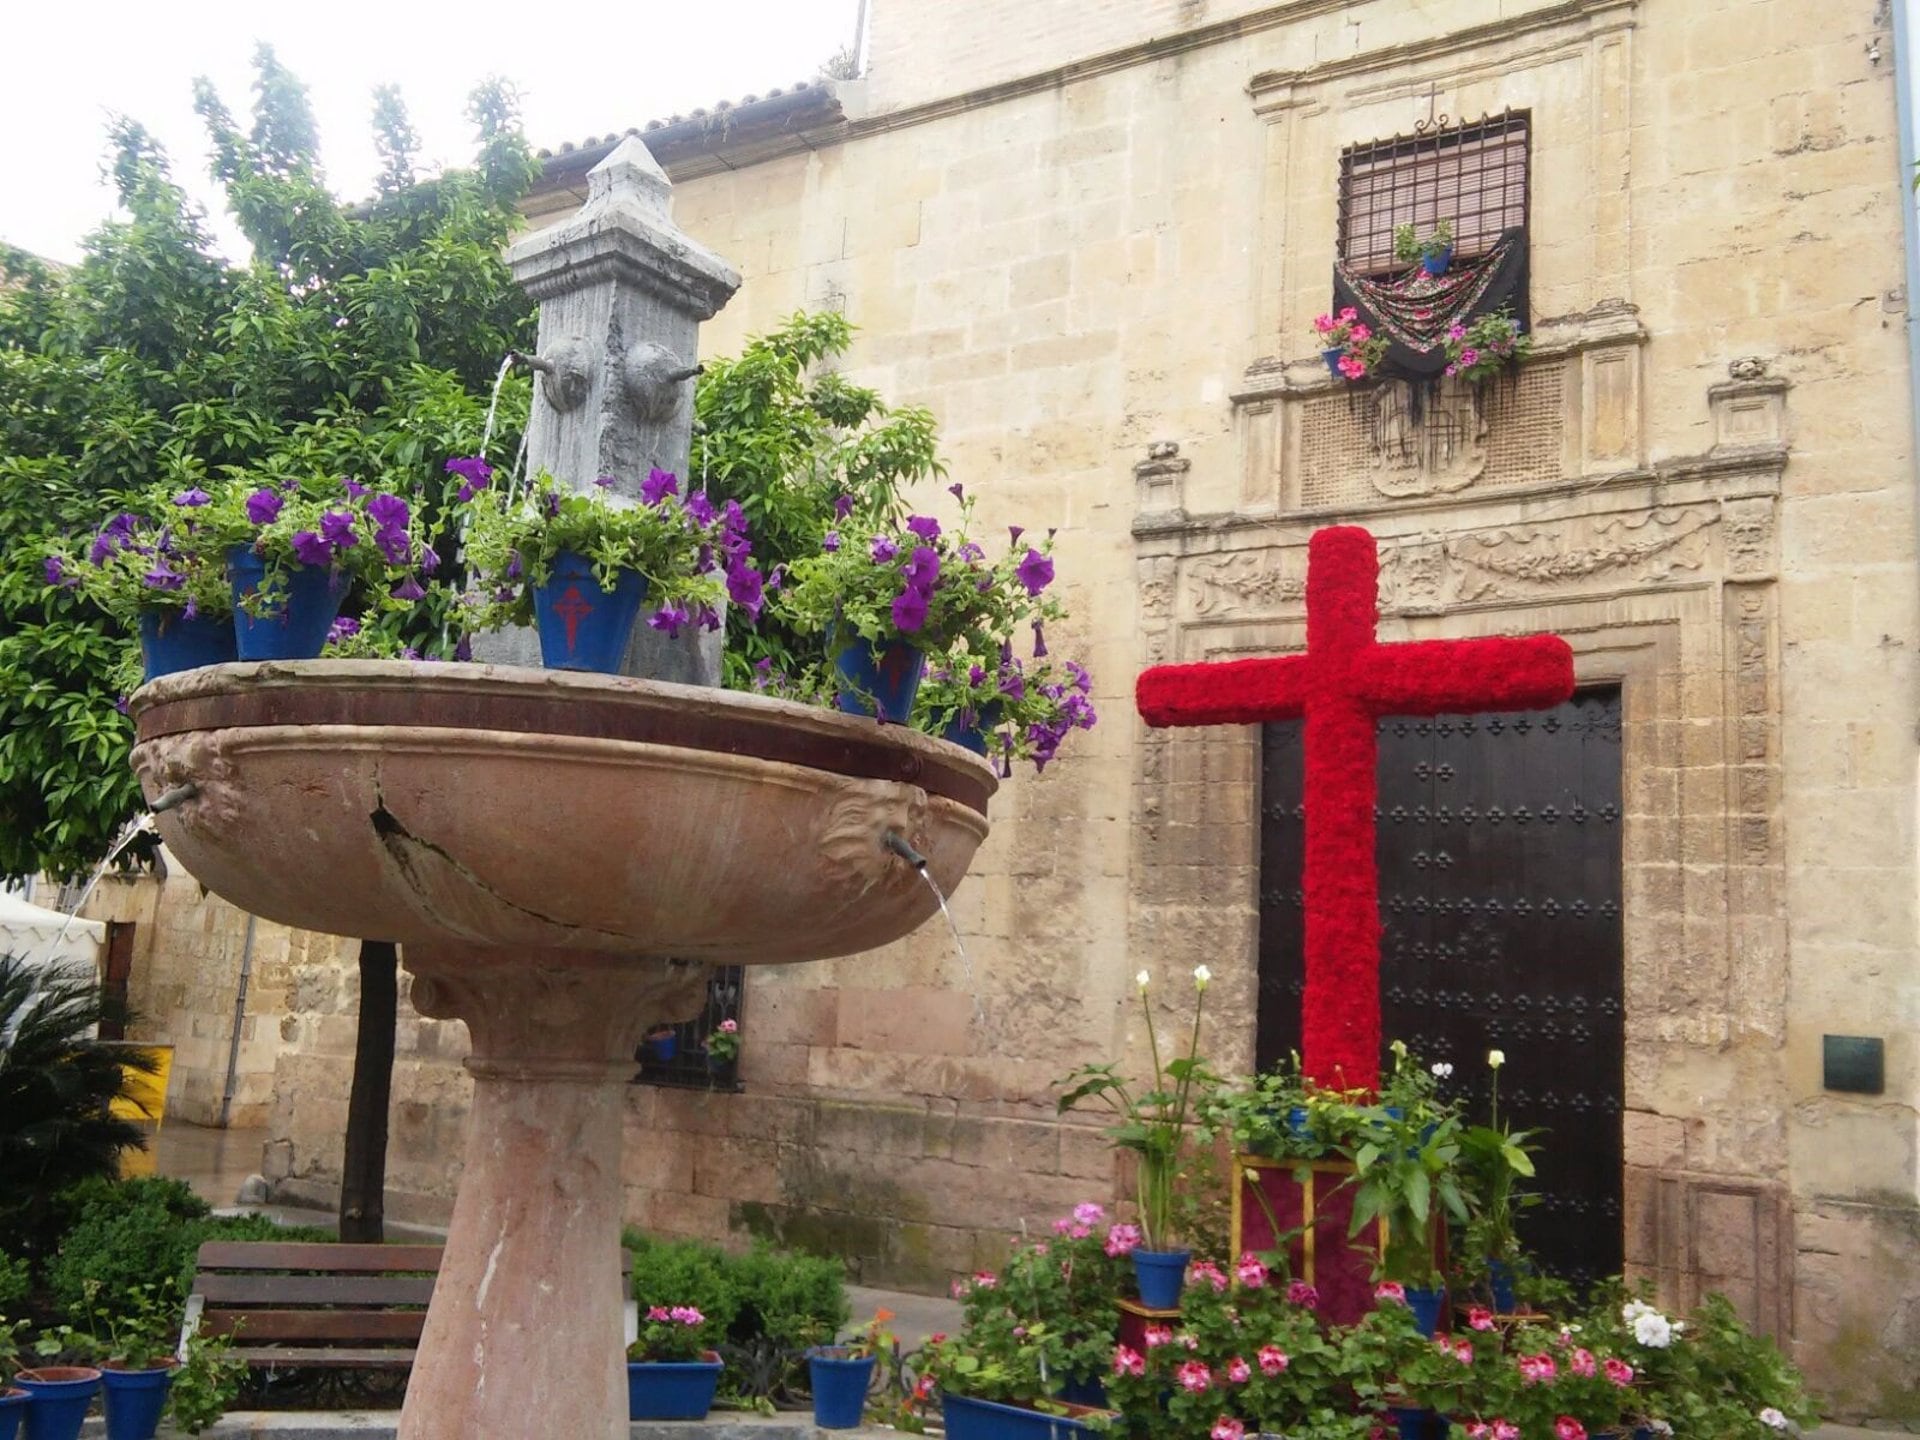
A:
(684, 1060)
(1474, 176)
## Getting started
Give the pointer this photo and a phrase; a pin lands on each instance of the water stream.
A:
(129, 833)
(493, 404)
(966, 960)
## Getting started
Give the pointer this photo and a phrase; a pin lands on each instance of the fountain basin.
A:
(552, 810)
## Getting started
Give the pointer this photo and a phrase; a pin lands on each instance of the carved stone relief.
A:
(1444, 451)
(1251, 581)
(1520, 560)
(1748, 527)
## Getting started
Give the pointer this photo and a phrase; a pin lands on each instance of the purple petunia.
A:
(336, 528)
(55, 570)
(972, 553)
(163, 577)
(922, 569)
(909, 611)
(605, 482)
(463, 648)
(354, 488)
(474, 471)
(1014, 532)
(700, 509)
(957, 490)
(703, 561)
(842, 506)
(310, 549)
(1082, 681)
(429, 560)
(658, 485)
(925, 526)
(1039, 641)
(830, 542)
(408, 589)
(388, 512)
(745, 587)
(116, 535)
(707, 617)
(514, 568)
(668, 619)
(341, 628)
(975, 675)
(1035, 572)
(883, 550)
(263, 506)
(1013, 684)
(192, 499)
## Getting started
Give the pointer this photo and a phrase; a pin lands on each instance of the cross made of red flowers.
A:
(1347, 679)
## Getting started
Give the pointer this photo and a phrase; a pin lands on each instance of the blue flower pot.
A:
(663, 1047)
(879, 680)
(296, 627)
(1091, 1393)
(169, 642)
(970, 1419)
(13, 1405)
(133, 1400)
(1500, 1283)
(1420, 1425)
(583, 627)
(974, 736)
(1161, 1275)
(672, 1389)
(1332, 356)
(840, 1385)
(57, 1400)
(1437, 264)
(1425, 1305)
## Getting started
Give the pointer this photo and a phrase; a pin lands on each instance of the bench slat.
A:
(256, 1327)
(260, 1291)
(316, 1255)
(287, 1357)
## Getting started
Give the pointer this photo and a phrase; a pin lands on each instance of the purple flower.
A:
(310, 549)
(925, 526)
(605, 482)
(1077, 710)
(55, 570)
(263, 506)
(408, 589)
(388, 512)
(120, 703)
(972, 553)
(922, 569)
(514, 568)
(842, 506)
(707, 617)
(550, 505)
(463, 649)
(396, 545)
(336, 528)
(1015, 532)
(163, 577)
(1013, 684)
(975, 674)
(658, 485)
(883, 550)
(341, 628)
(472, 468)
(192, 499)
(429, 560)
(957, 490)
(407, 652)
(703, 561)
(1035, 572)
(668, 619)
(909, 611)
(830, 542)
(117, 534)
(1082, 681)
(745, 588)
(700, 509)
(354, 488)
(1039, 641)
(191, 610)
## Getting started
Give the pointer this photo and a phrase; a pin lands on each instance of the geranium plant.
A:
(1155, 1123)
(1481, 350)
(1360, 350)
(723, 1044)
(692, 553)
(672, 1333)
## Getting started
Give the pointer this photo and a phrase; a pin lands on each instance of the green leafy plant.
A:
(140, 1331)
(1155, 1124)
(674, 1333)
(1479, 351)
(156, 556)
(1361, 351)
(205, 1385)
(1492, 1158)
(1409, 245)
(723, 1041)
(789, 1298)
(10, 1349)
(56, 1083)
(1406, 1170)
(16, 1280)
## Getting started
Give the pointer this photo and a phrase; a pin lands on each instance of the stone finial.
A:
(1747, 367)
(630, 176)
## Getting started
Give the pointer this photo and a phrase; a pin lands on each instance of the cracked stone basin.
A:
(538, 808)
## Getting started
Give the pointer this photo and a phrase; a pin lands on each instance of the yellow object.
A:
(144, 1097)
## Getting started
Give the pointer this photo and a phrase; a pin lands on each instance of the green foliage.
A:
(10, 1332)
(206, 1383)
(791, 1299)
(141, 1331)
(358, 341)
(776, 429)
(16, 1279)
(55, 1086)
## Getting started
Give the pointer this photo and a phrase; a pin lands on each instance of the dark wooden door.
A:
(114, 980)
(1499, 854)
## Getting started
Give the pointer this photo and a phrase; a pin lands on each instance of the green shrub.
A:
(791, 1299)
(16, 1279)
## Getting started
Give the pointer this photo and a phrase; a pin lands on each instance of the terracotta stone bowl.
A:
(549, 810)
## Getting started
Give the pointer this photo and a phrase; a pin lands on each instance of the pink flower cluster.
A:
(1122, 1240)
(1537, 1369)
(1390, 1290)
(1079, 1225)
(1208, 1272)
(678, 1315)
(1273, 1360)
(1497, 1430)
(1250, 1272)
(1300, 1293)
(1227, 1428)
(1461, 1350)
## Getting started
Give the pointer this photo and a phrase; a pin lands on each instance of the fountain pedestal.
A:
(533, 1248)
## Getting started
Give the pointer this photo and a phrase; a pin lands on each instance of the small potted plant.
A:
(13, 1400)
(671, 1372)
(1154, 1126)
(1348, 345)
(60, 1391)
(723, 1042)
(842, 1373)
(581, 566)
(1478, 352)
(663, 1043)
(1434, 251)
(294, 547)
(1492, 1158)
(995, 1383)
(208, 1379)
(137, 1343)
(155, 571)
(884, 599)
(1007, 709)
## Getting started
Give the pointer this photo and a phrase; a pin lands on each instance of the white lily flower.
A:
(1442, 1070)
(1201, 975)
(1496, 1058)
(1141, 980)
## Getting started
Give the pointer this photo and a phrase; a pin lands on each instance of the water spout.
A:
(178, 795)
(896, 842)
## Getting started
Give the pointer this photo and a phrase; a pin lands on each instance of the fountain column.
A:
(523, 1334)
(622, 292)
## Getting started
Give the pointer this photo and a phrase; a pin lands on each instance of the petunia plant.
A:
(339, 524)
(693, 554)
(161, 555)
(1348, 342)
(1023, 710)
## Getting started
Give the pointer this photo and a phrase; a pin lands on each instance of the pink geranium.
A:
(1273, 1360)
(1618, 1371)
(1479, 1319)
(1158, 1335)
(1227, 1428)
(1299, 1292)
(1568, 1428)
(1505, 1430)
(1537, 1369)
(1250, 1272)
(1583, 1364)
(1122, 1240)
(1390, 1290)
(1238, 1371)
(1211, 1273)
(1127, 1361)
(1193, 1375)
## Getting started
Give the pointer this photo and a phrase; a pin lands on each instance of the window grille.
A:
(690, 1067)
(1474, 176)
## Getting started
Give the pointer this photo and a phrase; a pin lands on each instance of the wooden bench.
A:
(299, 1305)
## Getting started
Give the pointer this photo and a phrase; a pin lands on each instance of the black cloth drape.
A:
(1412, 310)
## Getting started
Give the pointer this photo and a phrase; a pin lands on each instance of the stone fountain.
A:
(560, 856)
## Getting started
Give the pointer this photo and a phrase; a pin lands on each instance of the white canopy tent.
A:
(46, 937)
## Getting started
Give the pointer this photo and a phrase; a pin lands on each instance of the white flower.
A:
(1496, 1058)
(1660, 1426)
(1654, 1331)
(1443, 1070)
(1634, 1309)
(1201, 975)
(1141, 979)
(1773, 1417)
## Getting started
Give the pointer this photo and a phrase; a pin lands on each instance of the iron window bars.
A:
(1472, 175)
(690, 1067)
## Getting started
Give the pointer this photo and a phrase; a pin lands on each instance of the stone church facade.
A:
(1092, 237)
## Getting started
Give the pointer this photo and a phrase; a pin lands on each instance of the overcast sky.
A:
(582, 69)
